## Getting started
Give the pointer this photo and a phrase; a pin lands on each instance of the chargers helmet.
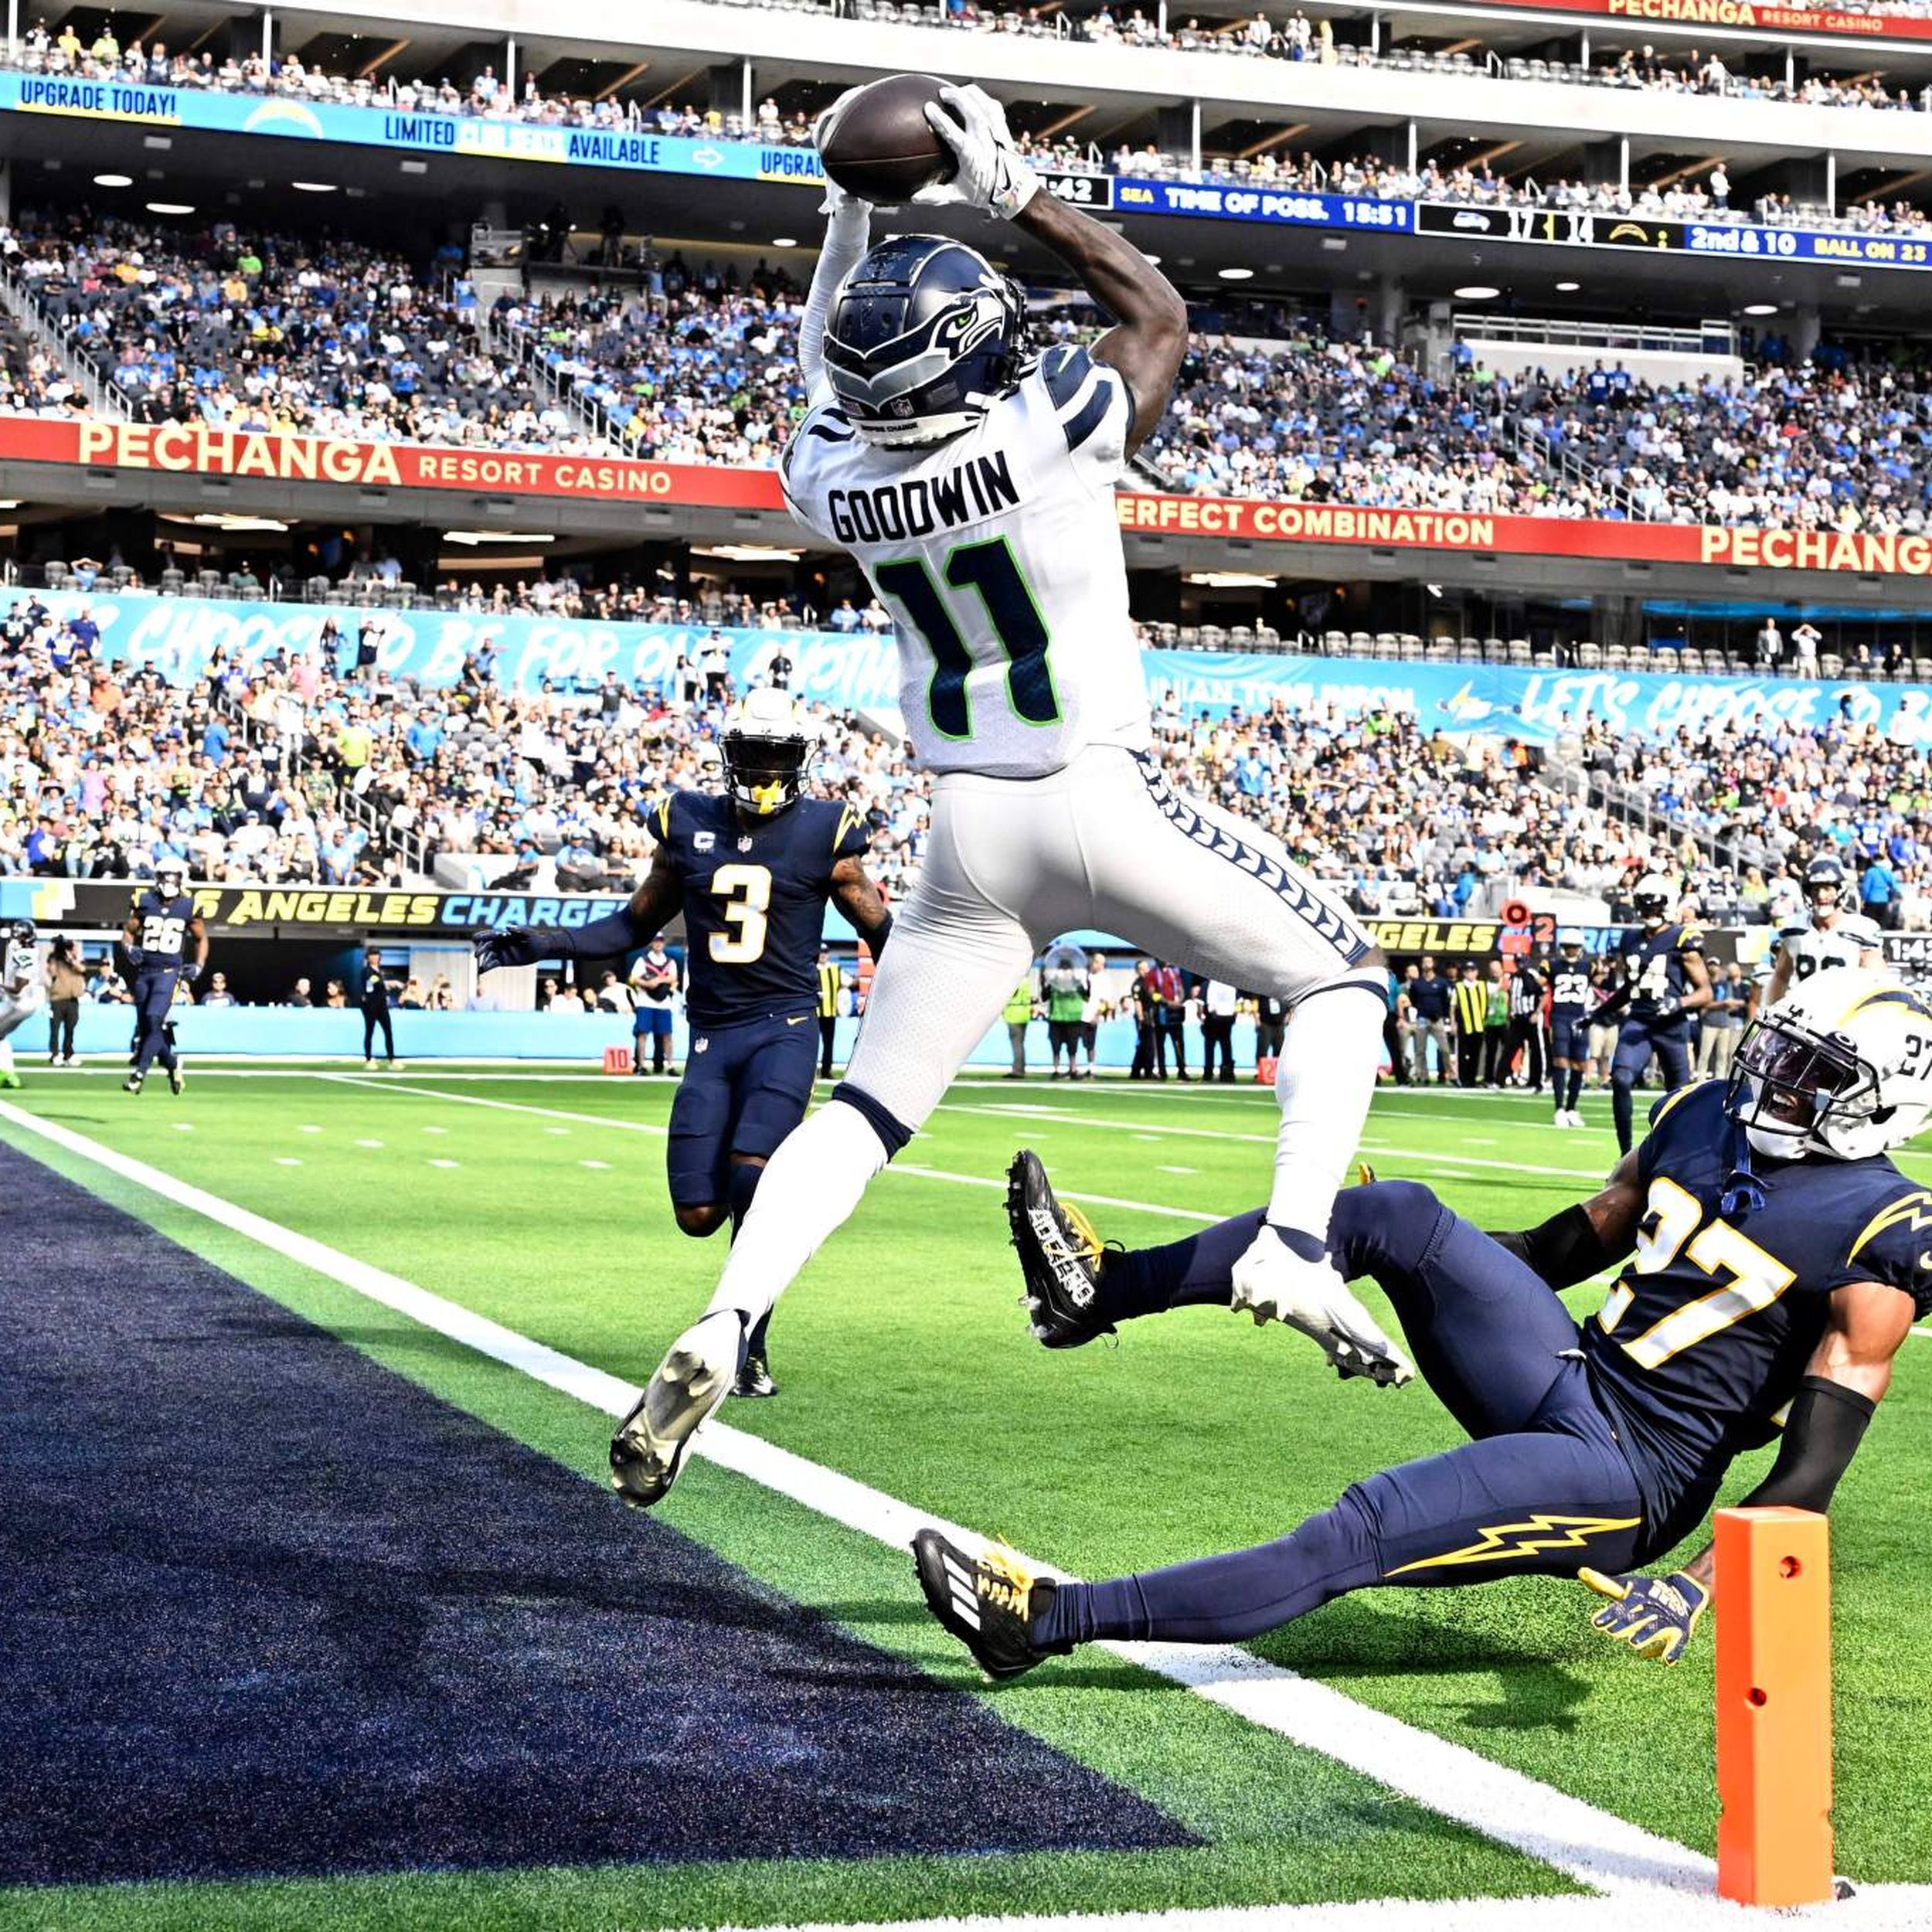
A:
(1825, 875)
(1650, 898)
(1841, 1066)
(170, 878)
(764, 748)
(924, 335)
(1569, 943)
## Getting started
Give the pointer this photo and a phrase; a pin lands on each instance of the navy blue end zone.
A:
(265, 1608)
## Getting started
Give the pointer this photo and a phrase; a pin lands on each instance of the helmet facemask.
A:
(764, 775)
(1789, 1085)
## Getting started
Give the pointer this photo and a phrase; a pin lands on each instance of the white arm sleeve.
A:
(847, 235)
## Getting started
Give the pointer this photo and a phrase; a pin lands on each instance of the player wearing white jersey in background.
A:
(23, 989)
(975, 486)
(1836, 934)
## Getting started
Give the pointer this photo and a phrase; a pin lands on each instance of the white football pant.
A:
(1104, 844)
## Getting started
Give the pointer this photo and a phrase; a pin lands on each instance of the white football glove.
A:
(991, 174)
(1273, 1284)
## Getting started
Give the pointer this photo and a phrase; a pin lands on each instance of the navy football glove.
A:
(1655, 1615)
(1668, 1008)
(514, 945)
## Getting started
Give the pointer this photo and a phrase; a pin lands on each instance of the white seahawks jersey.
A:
(998, 554)
(1813, 951)
(19, 969)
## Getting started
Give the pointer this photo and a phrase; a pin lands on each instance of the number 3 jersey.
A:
(998, 554)
(1702, 1344)
(754, 901)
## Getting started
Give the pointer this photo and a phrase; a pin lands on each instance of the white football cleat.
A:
(1273, 1284)
(1561, 1119)
(649, 1449)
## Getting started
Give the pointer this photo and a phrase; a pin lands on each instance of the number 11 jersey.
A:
(997, 552)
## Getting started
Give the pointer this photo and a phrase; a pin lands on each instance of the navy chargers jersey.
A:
(1702, 1344)
(1569, 991)
(161, 937)
(754, 901)
(1655, 964)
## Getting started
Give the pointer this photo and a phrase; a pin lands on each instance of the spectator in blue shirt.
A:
(1879, 892)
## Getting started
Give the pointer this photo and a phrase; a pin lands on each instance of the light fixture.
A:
(1477, 292)
(170, 208)
(748, 552)
(1761, 308)
(231, 520)
(313, 187)
(1568, 288)
(1235, 274)
(784, 241)
(1231, 579)
(114, 181)
(472, 538)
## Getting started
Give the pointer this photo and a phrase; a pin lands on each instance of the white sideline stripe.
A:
(1607, 1853)
(1043, 1117)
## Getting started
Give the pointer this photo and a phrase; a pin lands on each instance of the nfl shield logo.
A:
(744, 844)
(701, 1045)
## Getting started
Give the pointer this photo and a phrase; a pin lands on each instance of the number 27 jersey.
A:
(998, 553)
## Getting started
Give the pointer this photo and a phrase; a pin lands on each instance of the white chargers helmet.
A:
(765, 745)
(1841, 1066)
(1650, 899)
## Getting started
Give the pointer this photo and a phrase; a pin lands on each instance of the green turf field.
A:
(538, 1201)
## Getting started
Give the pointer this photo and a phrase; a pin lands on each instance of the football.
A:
(879, 146)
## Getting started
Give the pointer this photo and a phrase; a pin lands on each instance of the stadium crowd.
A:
(305, 767)
(1294, 37)
(330, 338)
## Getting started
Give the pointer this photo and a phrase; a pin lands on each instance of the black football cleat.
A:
(754, 1379)
(1059, 1255)
(989, 1602)
(132, 1083)
(177, 1080)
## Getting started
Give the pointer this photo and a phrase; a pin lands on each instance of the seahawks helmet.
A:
(1824, 886)
(22, 932)
(924, 337)
(1651, 898)
(765, 746)
(1842, 1066)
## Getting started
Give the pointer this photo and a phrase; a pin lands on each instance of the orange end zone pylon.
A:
(1774, 1610)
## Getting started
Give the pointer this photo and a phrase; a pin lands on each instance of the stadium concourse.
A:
(317, 1610)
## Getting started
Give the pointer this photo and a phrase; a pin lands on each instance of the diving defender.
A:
(973, 481)
(1775, 1261)
(752, 871)
(163, 928)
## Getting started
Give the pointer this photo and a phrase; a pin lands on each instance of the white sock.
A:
(810, 1186)
(6, 1055)
(1324, 1080)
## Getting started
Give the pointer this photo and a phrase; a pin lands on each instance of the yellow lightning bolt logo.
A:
(1540, 1533)
(1913, 1213)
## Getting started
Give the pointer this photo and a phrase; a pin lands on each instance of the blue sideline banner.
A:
(180, 636)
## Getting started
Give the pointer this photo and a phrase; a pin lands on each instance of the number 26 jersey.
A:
(997, 552)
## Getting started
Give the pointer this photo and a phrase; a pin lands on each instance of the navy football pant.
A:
(1635, 1043)
(744, 1089)
(154, 1000)
(1543, 1490)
